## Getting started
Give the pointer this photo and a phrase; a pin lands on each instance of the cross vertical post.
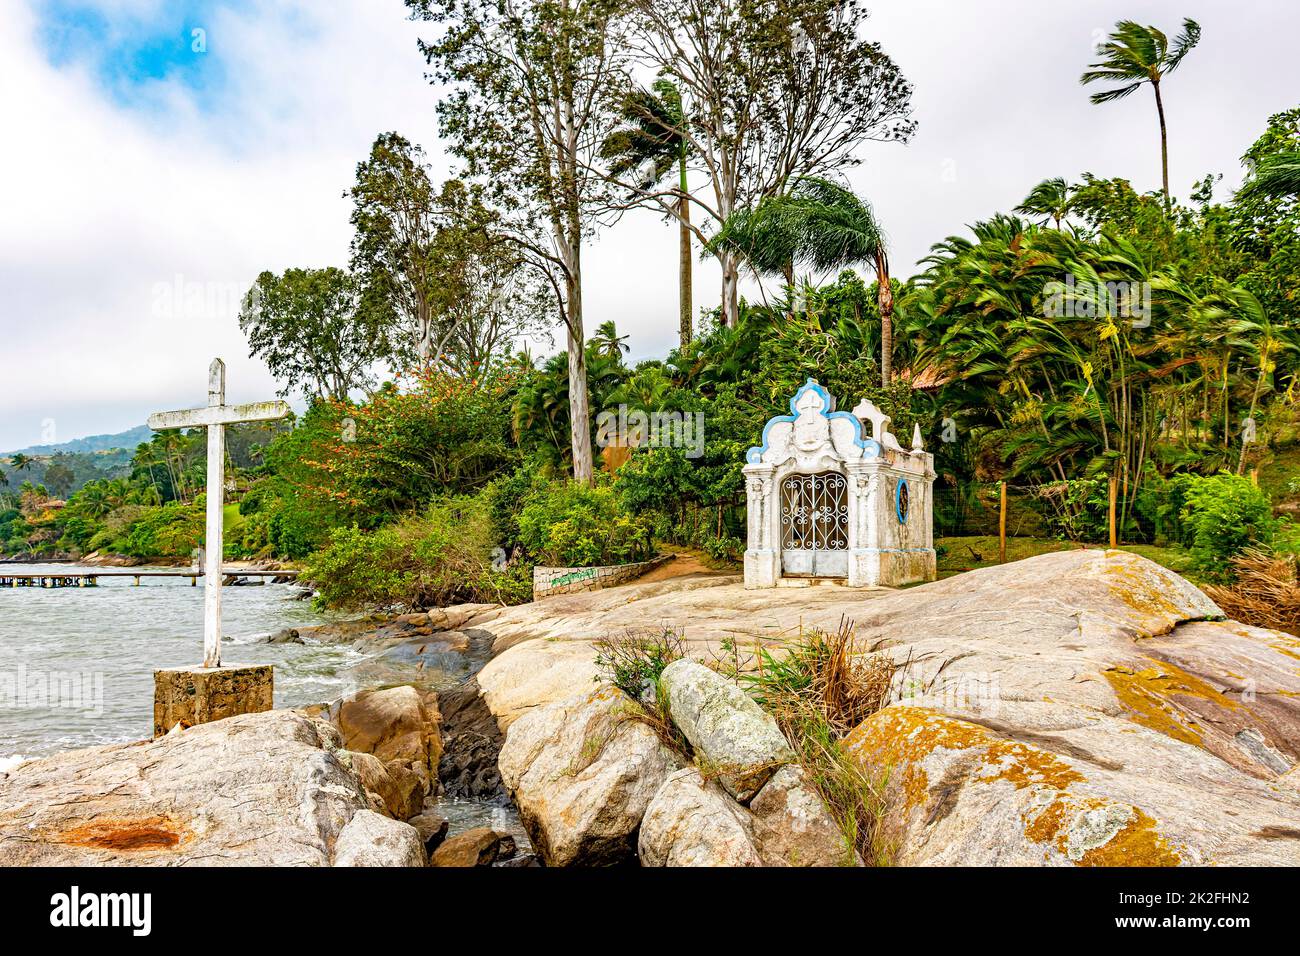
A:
(213, 537)
(186, 696)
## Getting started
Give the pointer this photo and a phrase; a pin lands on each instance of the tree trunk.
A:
(730, 289)
(424, 329)
(1254, 404)
(885, 299)
(684, 263)
(579, 410)
(1164, 144)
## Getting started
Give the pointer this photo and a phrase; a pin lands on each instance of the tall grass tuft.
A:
(818, 691)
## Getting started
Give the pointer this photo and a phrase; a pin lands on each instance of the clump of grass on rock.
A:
(819, 690)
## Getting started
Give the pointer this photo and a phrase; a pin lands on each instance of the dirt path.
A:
(679, 567)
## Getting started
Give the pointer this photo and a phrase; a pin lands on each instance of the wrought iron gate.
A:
(815, 525)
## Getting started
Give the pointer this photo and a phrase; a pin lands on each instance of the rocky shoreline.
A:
(1078, 708)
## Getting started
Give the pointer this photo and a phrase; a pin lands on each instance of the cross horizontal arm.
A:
(219, 415)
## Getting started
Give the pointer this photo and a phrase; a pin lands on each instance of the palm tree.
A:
(1133, 55)
(1276, 178)
(1250, 330)
(650, 145)
(824, 226)
(1050, 199)
(21, 462)
(608, 342)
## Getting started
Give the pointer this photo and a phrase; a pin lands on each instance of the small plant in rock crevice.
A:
(818, 691)
(633, 662)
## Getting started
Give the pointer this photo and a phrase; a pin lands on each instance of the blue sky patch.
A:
(133, 51)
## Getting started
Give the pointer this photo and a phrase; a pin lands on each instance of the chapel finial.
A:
(916, 438)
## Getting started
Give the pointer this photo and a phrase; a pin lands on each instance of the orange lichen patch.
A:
(1045, 827)
(150, 833)
(1148, 694)
(1139, 843)
(1134, 585)
(906, 735)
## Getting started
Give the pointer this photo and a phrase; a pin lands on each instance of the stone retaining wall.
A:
(548, 582)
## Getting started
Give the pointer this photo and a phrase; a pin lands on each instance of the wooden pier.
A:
(90, 579)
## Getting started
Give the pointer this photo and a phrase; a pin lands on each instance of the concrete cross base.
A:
(197, 695)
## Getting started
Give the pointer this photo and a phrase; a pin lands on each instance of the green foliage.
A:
(569, 524)
(315, 331)
(440, 556)
(363, 464)
(1222, 515)
(634, 663)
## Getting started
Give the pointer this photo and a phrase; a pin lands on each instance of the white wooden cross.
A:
(214, 418)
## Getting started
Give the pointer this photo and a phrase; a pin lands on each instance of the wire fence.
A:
(1078, 511)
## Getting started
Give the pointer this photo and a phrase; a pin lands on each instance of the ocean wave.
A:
(8, 763)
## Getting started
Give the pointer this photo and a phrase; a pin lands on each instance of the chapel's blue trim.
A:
(898, 501)
(870, 447)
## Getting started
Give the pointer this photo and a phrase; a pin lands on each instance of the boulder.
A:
(582, 772)
(728, 730)
(792, 826)
(693, 823)
(266, 789)
(481, 846)
(458, 615)
(372, 839)
(1101, 793)
(1101, 660)
(398, 800)
(287, 635)
(432, 829)
(397, 724)
(534, 674)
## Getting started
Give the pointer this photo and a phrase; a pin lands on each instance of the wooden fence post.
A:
(1114, 487)
(1002, 527)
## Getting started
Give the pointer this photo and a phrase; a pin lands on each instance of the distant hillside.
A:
(127, 439)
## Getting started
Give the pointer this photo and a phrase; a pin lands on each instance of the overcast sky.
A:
(146, 182)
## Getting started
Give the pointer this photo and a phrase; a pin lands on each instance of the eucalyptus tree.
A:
(1134, 54)
(395, 216)
(314, 331)
(533, 90)
(488, 296)
(648, 147)
(823, 226)
(772, 90)
(1050, 199)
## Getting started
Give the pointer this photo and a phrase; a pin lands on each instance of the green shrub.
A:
(633, 663)
(172, 530)
(441, 556)
(1221, 516)
(569, 524)
(292, 531)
